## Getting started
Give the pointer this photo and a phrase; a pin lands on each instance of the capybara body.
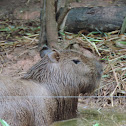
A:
(27, 101)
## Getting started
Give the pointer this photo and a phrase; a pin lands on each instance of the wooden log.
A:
(91, 18)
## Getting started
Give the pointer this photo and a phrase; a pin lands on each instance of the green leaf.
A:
(5, 29)
(91, 33)
(105, 76)
(29, 34)
(104, 59)
(62, 33)
(96, 124)
(122, 42)
(3, 122)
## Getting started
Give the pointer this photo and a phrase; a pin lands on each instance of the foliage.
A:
(12, 30)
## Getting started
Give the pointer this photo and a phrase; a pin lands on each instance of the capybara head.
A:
(66, 70)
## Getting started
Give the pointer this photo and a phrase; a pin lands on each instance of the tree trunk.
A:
(43, 39)
(49, 31)
(51, 26)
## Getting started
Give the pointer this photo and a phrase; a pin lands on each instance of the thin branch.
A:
(118, 85)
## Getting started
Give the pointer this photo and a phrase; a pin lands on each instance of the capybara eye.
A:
(76, 61)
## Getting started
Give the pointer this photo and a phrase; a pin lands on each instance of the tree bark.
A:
(48, 30)
(90, 19)
(42, 39)
(51, 26)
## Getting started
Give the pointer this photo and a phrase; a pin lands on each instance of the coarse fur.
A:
(27, 101)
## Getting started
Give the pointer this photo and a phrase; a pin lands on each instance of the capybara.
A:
(40, 97)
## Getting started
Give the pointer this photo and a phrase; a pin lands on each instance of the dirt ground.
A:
(19, 60)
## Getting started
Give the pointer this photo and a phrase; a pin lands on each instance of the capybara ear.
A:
(45, 51)
(54, 56)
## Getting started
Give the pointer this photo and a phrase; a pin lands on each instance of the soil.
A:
(30, 9)
(19, 60)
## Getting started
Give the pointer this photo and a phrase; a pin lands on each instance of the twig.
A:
(115, 75)
(27, 2)
(34, 35)
(32, 39)
(92, 43)
(117, 58)
(111, 39)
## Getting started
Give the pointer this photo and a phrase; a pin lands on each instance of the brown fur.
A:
(22, 101)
